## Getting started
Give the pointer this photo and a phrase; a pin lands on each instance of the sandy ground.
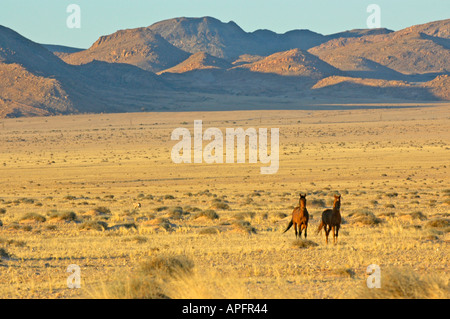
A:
(390, 166)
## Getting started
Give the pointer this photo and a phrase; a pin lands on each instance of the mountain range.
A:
(184, 64)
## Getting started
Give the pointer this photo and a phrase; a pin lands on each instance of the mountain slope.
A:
(417, 49)
(228, 40)
(33, 81)
(294, 62)
(258, 68)
(199, 61)
(140, 47)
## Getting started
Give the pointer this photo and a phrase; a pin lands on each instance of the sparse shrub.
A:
(169, 197)
(317, 203)
(177, 212)
(281, 215)
(93, 224)
(2, 211)
(126, 226)
(244, 215)
(244, 226)
(406, 284)
(161, 208)
(33, 216)
(14, 225)
(137, 239)
(148, 281)
(26, 228)
(12, 242)
(4, 253)
(191, 209)
(130, 287)
(303, 243)
(391, 195)
(440, 223)
(163, 223)
(65, 216)
(209, 213)
(364, 217)
(208, 231)
(415, 215)
(102, 210)
(167, 265)
(386, 214)
(219, 204)
(389, 206)
(345, 272)
(27, 200)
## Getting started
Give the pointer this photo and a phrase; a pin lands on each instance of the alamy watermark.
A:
(374, 279)
(73, 21)
(74, 280)
(190, 149)
(374, 19)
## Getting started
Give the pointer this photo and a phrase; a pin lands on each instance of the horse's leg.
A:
(306, 230)
(295, 228)
(326, 233)
(333, 229)
(337, 232)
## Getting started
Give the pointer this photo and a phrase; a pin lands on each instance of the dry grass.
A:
(83, 174)
(407, 284)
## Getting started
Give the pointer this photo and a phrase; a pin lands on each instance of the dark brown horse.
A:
(300, 218)
(331, 219)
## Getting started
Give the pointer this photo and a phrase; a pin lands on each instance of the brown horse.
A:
(331, 219)
(300, 218)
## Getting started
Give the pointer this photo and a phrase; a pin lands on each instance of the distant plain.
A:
(68, 185)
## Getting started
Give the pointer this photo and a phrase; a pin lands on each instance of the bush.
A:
(438, 223)
(93, 224)
(415, 215)
(406, 284)
(34, 216)
(208, 231)
(317, 203)
(364, 217)
(166, 265)
(4, 253)
(219, 204)
(209, 213)
(177, 212)
(242, 216)
(303, 243)
(244, 226)
(66, 216)
(102, 210)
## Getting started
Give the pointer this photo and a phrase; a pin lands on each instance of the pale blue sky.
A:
(44, 21)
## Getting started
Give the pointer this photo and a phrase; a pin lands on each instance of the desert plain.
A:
(69, 185)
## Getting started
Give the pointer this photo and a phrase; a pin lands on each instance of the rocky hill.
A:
(190, 63)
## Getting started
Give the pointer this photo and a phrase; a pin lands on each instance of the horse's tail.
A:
(320, 226)
(289, 226)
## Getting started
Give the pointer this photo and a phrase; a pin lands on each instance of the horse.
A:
(300, 218)
(137, 205)
(331, 220)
